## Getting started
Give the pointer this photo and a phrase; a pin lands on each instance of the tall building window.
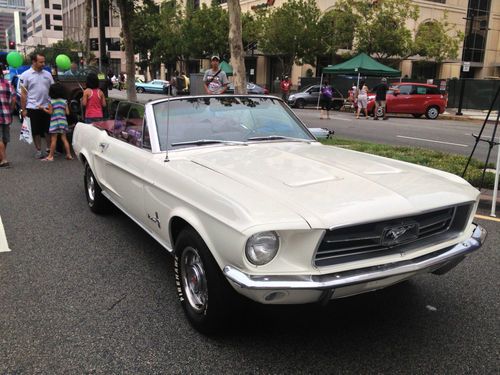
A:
(47, 21)
(476, 30)
(47, 4)
(57, 17)
(56, 6)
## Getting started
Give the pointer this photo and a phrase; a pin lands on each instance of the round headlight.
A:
(262, 247)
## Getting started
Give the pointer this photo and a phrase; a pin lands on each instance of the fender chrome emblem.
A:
(399, 234)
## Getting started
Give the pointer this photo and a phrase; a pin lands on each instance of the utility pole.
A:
(102, 35)
(465, 50)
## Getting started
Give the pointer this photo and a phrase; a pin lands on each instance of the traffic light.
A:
(12, 45)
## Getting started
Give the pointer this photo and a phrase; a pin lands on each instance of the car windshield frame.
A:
(222, 120)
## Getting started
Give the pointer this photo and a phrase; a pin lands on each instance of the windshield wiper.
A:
(201, 142)
(278, 137)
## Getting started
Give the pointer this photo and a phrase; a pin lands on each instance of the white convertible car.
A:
(249, 203)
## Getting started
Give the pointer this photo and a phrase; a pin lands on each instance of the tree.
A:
(236, 47)
(65, 47)
(291, 32)
(337, 28)
(383, 31)
(126, 8)
(205, 32)
(434, 41)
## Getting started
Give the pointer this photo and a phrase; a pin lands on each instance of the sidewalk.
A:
(475, 115)
(486, 199)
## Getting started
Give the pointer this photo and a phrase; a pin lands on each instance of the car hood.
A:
(329, 186)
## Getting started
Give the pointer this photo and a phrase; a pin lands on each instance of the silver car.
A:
(310, 95)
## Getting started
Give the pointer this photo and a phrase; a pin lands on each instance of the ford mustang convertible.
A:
(252, 206)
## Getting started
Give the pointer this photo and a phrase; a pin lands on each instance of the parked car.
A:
(252, 88)
(417, 99)
(156, 86)
(310, 95)
(251, 205)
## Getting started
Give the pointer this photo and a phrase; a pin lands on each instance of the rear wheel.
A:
(140, 90)
(97, 202)
(205, 294)
(432, 113)
(417, 115)
(300, 103)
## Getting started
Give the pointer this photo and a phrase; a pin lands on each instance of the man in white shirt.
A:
(35, 84)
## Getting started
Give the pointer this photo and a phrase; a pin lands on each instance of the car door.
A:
(400, 100)
(419, 99)
(313, 96)
(123, 162)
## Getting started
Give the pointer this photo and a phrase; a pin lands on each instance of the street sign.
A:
(466, 66)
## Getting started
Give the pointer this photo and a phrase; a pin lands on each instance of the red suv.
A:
(414, 98)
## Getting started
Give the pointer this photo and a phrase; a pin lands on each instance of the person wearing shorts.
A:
(380, 97)
(7, 103)
(362, 100)
(35, 84)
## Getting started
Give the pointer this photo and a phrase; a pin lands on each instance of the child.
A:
(57, 109)
(93, 100)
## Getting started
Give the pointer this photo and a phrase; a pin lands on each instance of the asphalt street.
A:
(88, 294)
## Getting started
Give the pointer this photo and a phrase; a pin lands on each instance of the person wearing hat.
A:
(215, 79)
(285, 85)
(380, 97)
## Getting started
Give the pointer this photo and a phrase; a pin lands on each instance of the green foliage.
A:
(205, 32)
(292, 32)
(67, 47)
(337, 27)
(451, 163)
(434, 40)
(382, 30)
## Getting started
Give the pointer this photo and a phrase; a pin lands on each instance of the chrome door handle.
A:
(103, 146)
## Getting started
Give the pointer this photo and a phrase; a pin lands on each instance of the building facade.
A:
(105, 29)
(12, 23)
(44, 22)
(482, 46)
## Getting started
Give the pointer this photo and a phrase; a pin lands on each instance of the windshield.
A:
(193, 122)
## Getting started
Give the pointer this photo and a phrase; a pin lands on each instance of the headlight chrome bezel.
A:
(255, 248)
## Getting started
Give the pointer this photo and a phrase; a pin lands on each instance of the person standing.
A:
(285, 86)
(7, 105)
(35, 84)
(215, 79)
(186, 82)
(326, 100)
(57, 109)
(73, 71)
(380, 97)
(93, 99)
(362, 100)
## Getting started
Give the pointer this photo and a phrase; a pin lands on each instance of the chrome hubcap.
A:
(194, 281)
(432, 112)
(91, 186)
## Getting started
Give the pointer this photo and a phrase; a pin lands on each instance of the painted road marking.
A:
(3, 239)
(433, 141)
(488, 218)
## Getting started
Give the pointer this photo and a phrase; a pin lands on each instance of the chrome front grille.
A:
(371, 240)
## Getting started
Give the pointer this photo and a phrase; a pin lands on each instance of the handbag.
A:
(26, 135)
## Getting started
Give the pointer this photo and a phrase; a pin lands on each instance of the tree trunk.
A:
(126, 13)
(86, 32)
(236, 47)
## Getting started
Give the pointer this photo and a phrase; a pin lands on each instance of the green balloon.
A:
(14, 59)
(63, 62)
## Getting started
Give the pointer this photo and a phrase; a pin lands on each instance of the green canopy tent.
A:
(226, 68)
(360, 64)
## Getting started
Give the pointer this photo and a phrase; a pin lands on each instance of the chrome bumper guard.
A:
(444, 259)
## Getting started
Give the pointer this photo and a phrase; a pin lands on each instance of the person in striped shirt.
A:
(57, 109)
(7, 103)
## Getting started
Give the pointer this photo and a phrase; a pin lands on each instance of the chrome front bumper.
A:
(284, 289)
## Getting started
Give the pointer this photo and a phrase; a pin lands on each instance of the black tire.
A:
(432, 113)
(300, 103)
(417, 115)
(97, 202)
(205, 294)
(140, 90)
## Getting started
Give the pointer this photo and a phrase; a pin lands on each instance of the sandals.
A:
(48, 160)
(5, 165)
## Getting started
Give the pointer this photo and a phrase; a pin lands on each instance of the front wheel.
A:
(140, 90)
(300, 103)
(205, 294)
(97, 202)
(432, 113)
